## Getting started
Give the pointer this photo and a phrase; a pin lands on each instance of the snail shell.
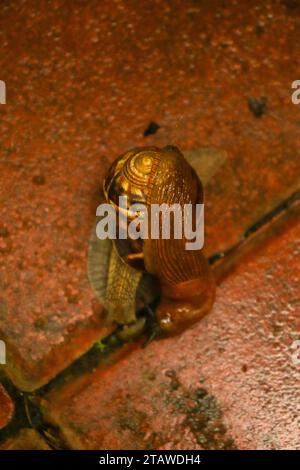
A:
(148, 176)
(131, 176)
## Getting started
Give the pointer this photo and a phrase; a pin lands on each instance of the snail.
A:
(127, 274)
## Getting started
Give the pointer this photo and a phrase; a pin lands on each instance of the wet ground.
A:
(86, 81)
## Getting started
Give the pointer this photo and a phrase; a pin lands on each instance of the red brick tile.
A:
(83, 83)
(26, 439)
(6, 407)
(228, 381)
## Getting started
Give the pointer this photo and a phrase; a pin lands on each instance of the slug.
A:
(128, 274)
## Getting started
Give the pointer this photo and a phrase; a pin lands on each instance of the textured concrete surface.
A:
(84, 82)
(228, 382)
(6, 407)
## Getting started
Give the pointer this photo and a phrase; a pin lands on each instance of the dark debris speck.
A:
(38, 180)
(151, 129)
(257, 106)
(4, 233)
(259, 29)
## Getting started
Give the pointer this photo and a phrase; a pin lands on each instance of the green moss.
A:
(102, 347)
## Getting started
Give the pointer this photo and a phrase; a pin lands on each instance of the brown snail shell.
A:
(150, 175)
(130, 175)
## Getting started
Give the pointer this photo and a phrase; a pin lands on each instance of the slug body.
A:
(148, 176)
